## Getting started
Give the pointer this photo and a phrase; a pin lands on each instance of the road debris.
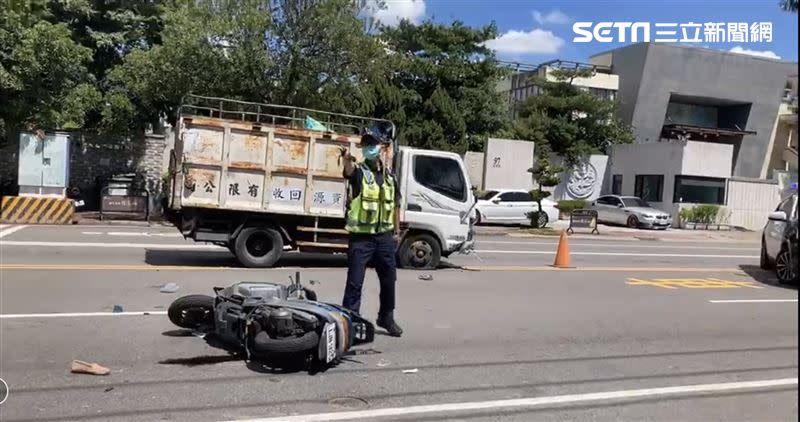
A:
(382, 363)
(410, 371)
(108, 389)
(81, 367)
(425, 277)
(117, 309)
(169, 288)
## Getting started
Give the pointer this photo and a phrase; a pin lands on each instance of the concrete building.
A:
(519, 85)
(782, 148)
(673, 92)
(709, 125)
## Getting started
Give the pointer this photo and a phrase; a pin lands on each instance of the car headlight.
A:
(648, 216)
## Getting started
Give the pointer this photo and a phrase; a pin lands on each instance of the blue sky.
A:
(535, 31)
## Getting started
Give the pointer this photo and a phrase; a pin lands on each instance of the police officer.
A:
(372, 222)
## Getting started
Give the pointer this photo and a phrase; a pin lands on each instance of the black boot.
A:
(386, 321)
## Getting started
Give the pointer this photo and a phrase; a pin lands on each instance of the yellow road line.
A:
(639, 282)
(140, 267)
(600, 269)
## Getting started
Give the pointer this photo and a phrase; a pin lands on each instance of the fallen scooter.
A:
(269, 320)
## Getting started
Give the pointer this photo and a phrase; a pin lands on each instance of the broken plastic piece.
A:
(426, 277)
(81, 367)
(169, 288)
(410, 371)
(117, 309)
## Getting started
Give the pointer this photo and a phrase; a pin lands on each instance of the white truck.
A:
(251, 177)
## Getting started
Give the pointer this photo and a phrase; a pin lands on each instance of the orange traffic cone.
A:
(562, 254)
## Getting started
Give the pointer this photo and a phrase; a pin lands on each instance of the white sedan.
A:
(510, 206)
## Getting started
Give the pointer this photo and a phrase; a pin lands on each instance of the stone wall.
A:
(94, 159)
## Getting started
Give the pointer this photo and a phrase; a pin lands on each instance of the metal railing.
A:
(275, 114)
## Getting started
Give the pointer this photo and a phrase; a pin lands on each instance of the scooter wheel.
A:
(192, 311)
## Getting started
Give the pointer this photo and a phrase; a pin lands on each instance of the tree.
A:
(569, 120)
(545, 175)
(44, 77)
(54, 56)
(789, 5)
(311, 54)
(440, 85)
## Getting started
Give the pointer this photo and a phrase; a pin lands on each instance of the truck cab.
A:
(435, 207)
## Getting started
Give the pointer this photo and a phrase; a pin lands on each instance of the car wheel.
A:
(541, 219)
(420, 251)
(258, 247)
(764, 262)
(633, 222)
(784, 269)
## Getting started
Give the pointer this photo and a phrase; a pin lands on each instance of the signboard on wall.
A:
(506, 164)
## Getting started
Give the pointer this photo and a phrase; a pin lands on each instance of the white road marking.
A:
(755, 301)
(617, 254)
(534, 401)
(114, 245)
(612, 245)
(12, 229)
(81, 314)
(134, 234)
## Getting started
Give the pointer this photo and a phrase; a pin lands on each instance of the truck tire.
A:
(420, 251)
(192, 311)
(258, 247)
(263, 343)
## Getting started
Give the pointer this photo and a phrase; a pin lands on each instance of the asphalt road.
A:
(637, 331)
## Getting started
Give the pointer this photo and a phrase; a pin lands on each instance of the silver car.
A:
(630, 211)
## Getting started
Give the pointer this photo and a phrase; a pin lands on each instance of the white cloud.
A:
(758, 53)
(397, 10)
(554, 17)
(537, 41)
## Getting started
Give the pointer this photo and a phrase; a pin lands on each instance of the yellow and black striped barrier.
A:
(36, 210)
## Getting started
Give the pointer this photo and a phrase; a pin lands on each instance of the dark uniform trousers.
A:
(379, 250)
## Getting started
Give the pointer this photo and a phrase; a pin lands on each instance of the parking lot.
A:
(637, 330)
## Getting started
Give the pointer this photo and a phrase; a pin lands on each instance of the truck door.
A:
(437, 195)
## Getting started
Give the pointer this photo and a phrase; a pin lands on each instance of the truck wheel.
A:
(192, 311)
(420, 251)
(258, 247)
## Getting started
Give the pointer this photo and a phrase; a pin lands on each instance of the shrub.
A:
(537, 195)
(567, 205)
(706, 213)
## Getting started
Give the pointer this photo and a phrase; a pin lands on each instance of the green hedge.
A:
(705, 213)
(566, 206)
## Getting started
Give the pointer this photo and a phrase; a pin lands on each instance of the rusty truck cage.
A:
(274, 114)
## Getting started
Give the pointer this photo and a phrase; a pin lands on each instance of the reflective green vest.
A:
(372, 211)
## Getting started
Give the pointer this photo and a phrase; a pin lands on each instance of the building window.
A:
(649, 187)
(616, 184)
(699, 190)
